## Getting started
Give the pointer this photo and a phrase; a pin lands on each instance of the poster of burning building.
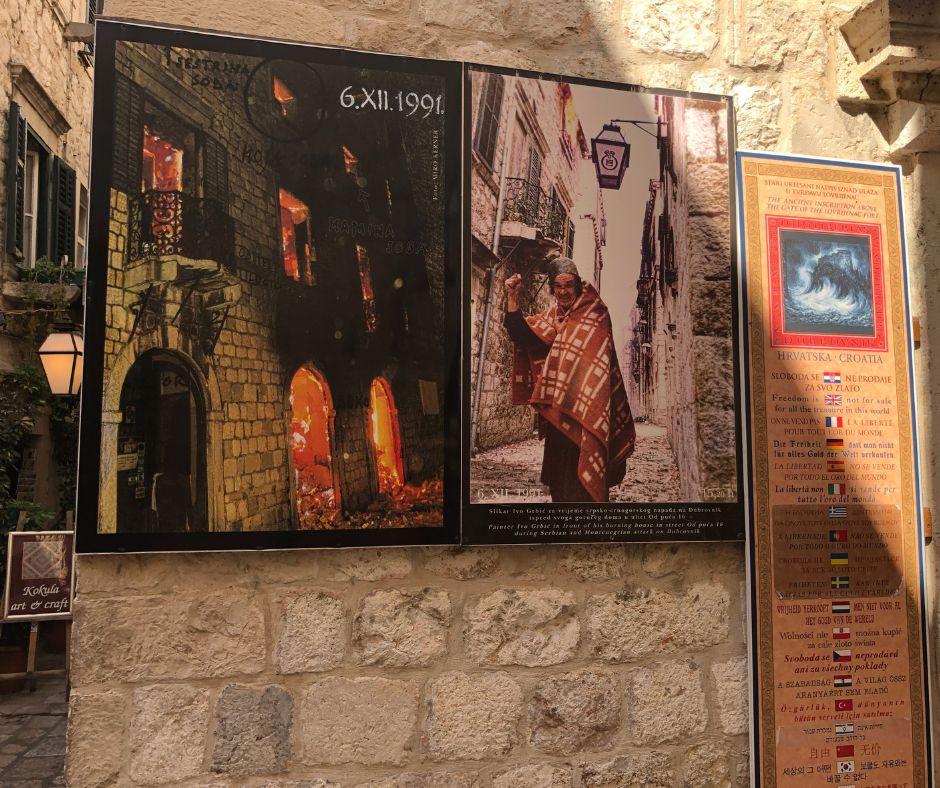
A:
(601, 343)
(274, 236)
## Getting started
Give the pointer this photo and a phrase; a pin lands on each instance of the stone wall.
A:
(553, 666)
(420, 667)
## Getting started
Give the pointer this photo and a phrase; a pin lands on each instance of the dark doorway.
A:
(161, 465)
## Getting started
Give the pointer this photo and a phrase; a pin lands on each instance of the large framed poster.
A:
(836, 559)
(274, 238)
(601, 359)
(39, 575)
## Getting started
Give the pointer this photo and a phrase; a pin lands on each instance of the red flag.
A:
(845, 751)
(844, 705)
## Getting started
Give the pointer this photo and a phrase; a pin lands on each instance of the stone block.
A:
(731, 691)
(488, 17)
(707, 188)
(548, 23)
(710, 308)
(772, 36)
(461, 563)
(666, 703)
(399, 629)
(706, 766)
(686, 29)
(713, 370)
(472, 716)
(178, 635)
(543, 775)
(369, 565)
(426, 780)
(360, 721)
(716, 429)
(662, 560)
(168, 733)
(252, 730)
(390, 36)
(639, 622)
(97, 725)
(593, 562)
(640, 770)
(311, 633)
(574, 712)
(532, 627)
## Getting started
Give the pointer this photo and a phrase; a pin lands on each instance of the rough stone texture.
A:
(252, 731)
(472, 715)
(706, 766)
(731, 692)
(522, 627)
(642, 770)
(574, 712)
(683, 28)
(666, 703)
(369, 565)
(363, 720)
(97, 722)
(427, 780)
(464, 563)
(176, 636)
(399, 629)
(168, 733)
(594, 562)
(545, 775)
(311, 633)
(639, 622)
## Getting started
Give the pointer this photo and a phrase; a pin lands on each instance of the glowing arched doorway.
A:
(385, 437)
(310, 448)
(161, 462)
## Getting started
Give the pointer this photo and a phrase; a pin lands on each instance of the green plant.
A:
(24, 393)
(45, 271)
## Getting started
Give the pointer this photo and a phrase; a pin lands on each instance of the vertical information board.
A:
(836, 555)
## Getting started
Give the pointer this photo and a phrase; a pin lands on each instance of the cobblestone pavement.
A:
(32, 736)
(510, 474)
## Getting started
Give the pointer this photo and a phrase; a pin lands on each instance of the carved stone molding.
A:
(35, 94)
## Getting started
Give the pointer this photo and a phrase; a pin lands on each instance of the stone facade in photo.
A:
(512, 667)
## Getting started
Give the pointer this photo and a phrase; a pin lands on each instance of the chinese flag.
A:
(845, 751)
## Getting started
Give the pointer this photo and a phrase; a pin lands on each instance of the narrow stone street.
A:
(510, 474)
(32, 736)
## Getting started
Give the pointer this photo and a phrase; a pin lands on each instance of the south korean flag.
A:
(845, 767)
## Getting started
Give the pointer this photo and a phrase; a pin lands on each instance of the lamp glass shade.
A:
(611, 154)
(62, 356)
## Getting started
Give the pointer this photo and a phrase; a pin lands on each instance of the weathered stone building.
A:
(553, 666)
(523, 187)
(45, 115)
(680, 353)
(235, 367)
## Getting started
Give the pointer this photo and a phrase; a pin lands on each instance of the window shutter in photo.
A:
(488, 120)
(569, 247)
(128, 135)
(63, 212)
(16, 180)
(215, 163)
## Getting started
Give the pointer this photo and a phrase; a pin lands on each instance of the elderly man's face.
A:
(564, 288)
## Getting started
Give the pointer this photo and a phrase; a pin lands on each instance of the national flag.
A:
(832, 377)
(835, 444)
(840, 633)
(845, 767)
(836, 489)
(844, 728)
(838, 511)
(845, 751)
(841, 608)
(839, 582)
(839, 536)
(842, 680)
(839, 559)
(834, 399)
(833, 421)
(835, 466)
(842, 655)
(844, 704)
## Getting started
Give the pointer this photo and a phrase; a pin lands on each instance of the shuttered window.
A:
(16, 183)
(62, 239)
(491, 104)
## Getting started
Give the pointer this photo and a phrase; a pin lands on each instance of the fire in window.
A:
(365, 280)
(350, 163)
(385, 437)
(163, 162)
(296, 238)
(311, 457)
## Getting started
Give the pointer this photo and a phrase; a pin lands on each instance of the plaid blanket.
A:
(577, 386)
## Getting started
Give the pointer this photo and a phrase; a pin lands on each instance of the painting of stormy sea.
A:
(827, 283)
